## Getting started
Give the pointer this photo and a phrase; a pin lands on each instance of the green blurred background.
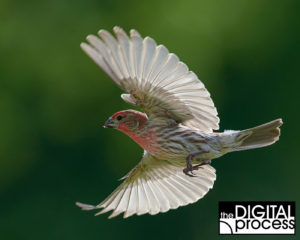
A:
(54, 100)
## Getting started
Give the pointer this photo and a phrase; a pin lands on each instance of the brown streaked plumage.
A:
(176, 130)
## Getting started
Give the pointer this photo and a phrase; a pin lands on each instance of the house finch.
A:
(176, 130)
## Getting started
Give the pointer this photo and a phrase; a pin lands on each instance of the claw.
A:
(186, 172)
(189, 166)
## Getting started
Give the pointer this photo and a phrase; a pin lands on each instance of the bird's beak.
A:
(109, 123)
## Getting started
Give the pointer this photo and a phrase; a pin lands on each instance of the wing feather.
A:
(163, 202)
(156, 185)
(154, 205)
(154, 79)
(149, 51)
(143, 201)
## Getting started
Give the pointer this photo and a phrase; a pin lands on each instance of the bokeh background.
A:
(54, 100)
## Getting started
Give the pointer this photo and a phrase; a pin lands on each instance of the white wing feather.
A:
(155, 79)
(154, 186)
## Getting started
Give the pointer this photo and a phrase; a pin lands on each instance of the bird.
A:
(177, 129)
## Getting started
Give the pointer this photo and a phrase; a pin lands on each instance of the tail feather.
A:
(260, 136)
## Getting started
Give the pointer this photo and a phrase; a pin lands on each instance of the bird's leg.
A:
(189, 165)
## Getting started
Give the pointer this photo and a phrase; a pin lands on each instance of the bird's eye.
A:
(119, 117)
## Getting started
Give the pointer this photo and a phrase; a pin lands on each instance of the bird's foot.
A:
(189, 166)
(189, 169)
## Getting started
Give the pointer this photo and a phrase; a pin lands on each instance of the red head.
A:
(132, 123)
(126, 121)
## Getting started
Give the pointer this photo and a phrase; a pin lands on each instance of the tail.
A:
(257, 137)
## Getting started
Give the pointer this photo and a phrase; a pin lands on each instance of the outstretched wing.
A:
(154, 79)
(154, 186)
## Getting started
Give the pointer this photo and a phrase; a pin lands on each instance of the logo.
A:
(257, 217)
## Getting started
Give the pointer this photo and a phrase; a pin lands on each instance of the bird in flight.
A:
(175, 130)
